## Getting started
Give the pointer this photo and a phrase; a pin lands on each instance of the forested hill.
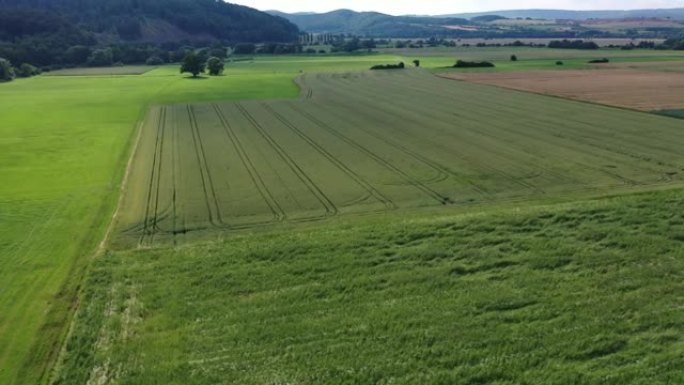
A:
(370, 23)
(141, 20)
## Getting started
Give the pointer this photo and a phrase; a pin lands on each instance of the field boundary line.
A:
(296, 169)
(412, 181)
(338, 163)
(562, 98)
(254, 175)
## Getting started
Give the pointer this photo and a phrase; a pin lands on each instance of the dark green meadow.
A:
(583, 293)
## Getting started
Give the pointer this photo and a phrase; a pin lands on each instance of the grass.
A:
(585, 293)
(63, 146)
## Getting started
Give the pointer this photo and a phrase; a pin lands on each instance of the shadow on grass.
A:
(196, 77)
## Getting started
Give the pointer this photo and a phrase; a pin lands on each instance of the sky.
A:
(437, 7)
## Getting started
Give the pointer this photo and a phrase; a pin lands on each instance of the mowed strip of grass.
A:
(63, 146)
(95, 71)
(583, 293)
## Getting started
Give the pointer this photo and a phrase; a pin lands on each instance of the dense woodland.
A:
(69, 32)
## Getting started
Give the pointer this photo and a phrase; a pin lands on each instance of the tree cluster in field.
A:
(473, 64)
(599, 61)
(63, 33)
(631, 46)
(196, 64)
(420, 43)
(573, 44)
(267, 49)
(399, 66)
(516, 43)
(676, 44)
(354, 44)
(8, 72)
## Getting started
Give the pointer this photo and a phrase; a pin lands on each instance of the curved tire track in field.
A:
(271, 202)
(207, 182)
(176, 168)
(303, 177)
(441, 169)
(412, 181)
(156, 166)
(338, 163)
(305, 91)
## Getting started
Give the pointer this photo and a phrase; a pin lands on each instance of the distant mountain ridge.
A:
(370, 23)
(664, 23)
(554, 14)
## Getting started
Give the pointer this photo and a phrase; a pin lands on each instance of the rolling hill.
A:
(553, 14)
(142, 20)
(370, 23)
(486, 24)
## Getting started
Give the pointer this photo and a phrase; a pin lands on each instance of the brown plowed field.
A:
(640, 90)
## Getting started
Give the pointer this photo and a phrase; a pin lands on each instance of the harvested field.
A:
(659, 66)
(366, 143)
(640, 90)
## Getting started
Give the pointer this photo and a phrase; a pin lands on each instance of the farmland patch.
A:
(367, 143)
(651, 87)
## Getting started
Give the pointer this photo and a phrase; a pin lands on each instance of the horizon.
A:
(441, 7)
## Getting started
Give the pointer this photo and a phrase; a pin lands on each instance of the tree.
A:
(101, 58)
(6, 70)
(154, 61)
(26, 71)
(192, 63)
(215, 66)
(514, 58)
(244, 49)
(77, 54)
(416, 63)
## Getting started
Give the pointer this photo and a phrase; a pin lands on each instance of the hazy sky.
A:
(434, 7)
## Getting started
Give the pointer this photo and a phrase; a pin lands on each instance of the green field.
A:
(585, 293)
(64, 142)
(349, 148)
(303, 189)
